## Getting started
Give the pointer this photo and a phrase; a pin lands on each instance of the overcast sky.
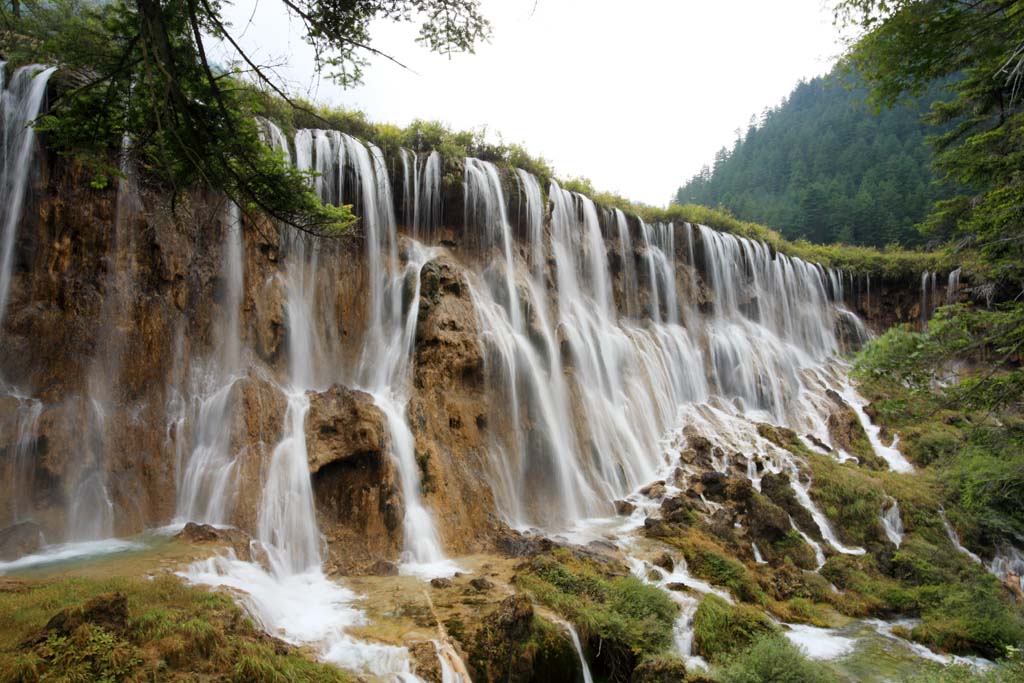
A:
(636, 95)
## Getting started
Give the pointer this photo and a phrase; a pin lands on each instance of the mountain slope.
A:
(824, 166)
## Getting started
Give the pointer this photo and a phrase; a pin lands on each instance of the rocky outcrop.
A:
(343, 423)
(449, 410)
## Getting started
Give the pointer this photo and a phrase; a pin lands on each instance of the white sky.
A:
(635, 95)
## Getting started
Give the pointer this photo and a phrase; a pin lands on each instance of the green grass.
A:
(773, 659)
(721, 629)
(709, 560)
(610, 609)
(172, 630)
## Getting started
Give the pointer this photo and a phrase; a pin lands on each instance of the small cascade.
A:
(18, 473)
(20, 102)
(891, 454)
(803, 496)
(630, 286)
(1008, 565)
(531, 211)
(206, 486)
(687, 601)
(953, 286)
(427, 196)
(929, 295)
(954, 538)
(758, 557)
(453, 669)
(587, 678)
(891, 522)
(819, 554)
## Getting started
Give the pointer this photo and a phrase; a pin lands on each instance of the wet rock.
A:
(602, 546)
(664, 561)
(713, 484)
(740, 490)
(384, 568)
(624, 508)
(425, 661)
(766, 521)
(652, 489)
(654, 528)
(199, 533)
(515, 543)
(441, 583)
(343, 423)
(482, 584)
(678, 587)
(665, 669)
(779, 490)
(20, 539)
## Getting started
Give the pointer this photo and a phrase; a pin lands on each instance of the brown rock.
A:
(441, 583)
(624, 508)
(664, 561)
(343, 423)
(108, 611)
(482, 584)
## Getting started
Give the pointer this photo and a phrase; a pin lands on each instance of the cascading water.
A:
(206, 485)
(892, 523)
(953, 286)
(20, 102)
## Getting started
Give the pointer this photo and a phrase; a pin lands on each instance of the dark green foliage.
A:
(135, 79)
(826, 167)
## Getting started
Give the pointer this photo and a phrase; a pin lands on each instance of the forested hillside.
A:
(825, 166)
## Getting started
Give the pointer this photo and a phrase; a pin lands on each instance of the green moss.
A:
(721, 629)
(850, 497)
(612, 609)
(708, 560)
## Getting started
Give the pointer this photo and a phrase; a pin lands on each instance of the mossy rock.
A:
(721, 629)
(664, 669)
(513, 644)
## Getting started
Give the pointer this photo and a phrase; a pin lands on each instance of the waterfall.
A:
(891, 522)
(19, 106)
(205, 485)
(929, 295)
(953, 286)
(19, 473)
(587, 678)
(954, 538)
(1008, 565)
(758, 558)
(819, 554)
(91, 507)
(630, 286)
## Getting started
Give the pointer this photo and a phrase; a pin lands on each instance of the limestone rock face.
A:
(258, 419)
(358, 496)
(448, 412)
(343, 423)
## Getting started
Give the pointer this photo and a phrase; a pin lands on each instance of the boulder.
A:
(343, 423)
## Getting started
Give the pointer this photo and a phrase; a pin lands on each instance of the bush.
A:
(721, 629)
(773, 659)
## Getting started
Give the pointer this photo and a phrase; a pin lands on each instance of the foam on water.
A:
(819, 643)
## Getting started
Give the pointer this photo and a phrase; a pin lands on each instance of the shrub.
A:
(773, 659)
(721, 629)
